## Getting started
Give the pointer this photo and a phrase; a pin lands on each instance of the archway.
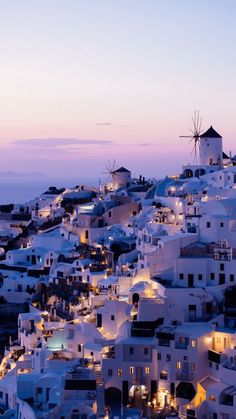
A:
(135, 298)
(185, 390)
(113, 400)
(200, 172)
(187, 173)
(75, 414)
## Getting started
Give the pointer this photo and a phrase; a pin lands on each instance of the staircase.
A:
(100, 392)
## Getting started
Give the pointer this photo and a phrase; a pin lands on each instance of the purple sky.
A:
(83, 82)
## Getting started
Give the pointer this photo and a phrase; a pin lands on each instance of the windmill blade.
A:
(196, 132)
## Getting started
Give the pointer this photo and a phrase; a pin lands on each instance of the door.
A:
(190, 280)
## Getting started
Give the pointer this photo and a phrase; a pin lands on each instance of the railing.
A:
(164, 342)
(184, 375)
(179, 345)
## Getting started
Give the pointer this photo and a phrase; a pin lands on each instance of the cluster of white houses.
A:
(149, 330)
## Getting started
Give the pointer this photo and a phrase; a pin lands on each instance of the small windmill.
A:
(196, 132)
(111, 167)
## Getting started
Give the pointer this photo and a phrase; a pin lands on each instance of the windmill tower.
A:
(210, 148)
(195, 135)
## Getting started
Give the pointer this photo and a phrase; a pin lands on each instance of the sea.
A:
(18, 190)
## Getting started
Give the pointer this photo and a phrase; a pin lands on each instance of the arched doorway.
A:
(187, 173)
(135, 298)
(113, 400)
(200, 172)
(75, 414)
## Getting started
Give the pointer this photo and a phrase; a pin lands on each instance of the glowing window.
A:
(193, 343)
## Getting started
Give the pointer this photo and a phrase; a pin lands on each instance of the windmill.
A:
(196, 132)
(111, 167)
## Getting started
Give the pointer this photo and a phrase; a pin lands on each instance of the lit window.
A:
(119, 372)
(193, 343)
(178, 365)
(131, 370)
(193, 366)
(212, 398)
(218, 339)
(147, 370)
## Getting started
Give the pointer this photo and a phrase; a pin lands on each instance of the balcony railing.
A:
(184, 375)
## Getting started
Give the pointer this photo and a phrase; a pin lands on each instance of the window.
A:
(131, 350)
(178, 365)
(87, 278)
(145, 351)
(217, 366)
(221, 224)
(193, 366)
(86, 234)
(212, 275)
(79, 347)
(71, 334)
(109, 214)
(159, 356)
(231, 278)
(210, 364)
(119, 372)
(185, 357)
(163, 375)
(112, 317)
(218, 339)
(1, 395)
(200, 277)
(208, 224)
(39, 390)
(222, 266)
(131, 370)
(168, 357)
(212, 398)
(147, 370)
(181, 276)
(193, 343)
(109, 372)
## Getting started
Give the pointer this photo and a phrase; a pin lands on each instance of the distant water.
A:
(18, 190)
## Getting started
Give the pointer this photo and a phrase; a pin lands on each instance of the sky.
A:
(86, 81)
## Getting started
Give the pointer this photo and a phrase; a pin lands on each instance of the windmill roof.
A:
(210, 133)
(121, 169)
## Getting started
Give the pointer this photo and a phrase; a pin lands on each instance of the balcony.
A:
(185, 376)
(138, 379)
(214, 356)
(181, 345)
(164, 342)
